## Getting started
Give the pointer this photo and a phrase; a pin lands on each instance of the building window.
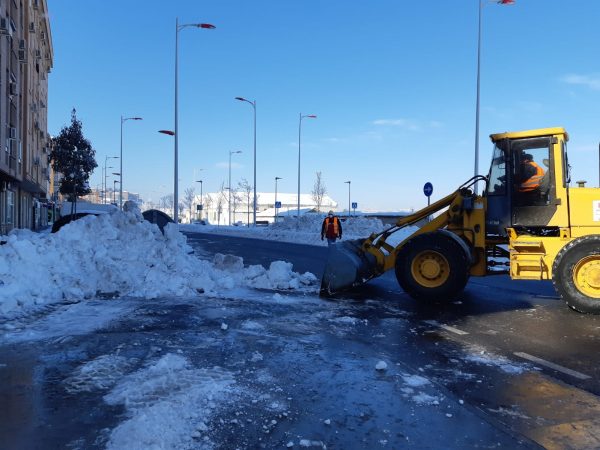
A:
(10, 207)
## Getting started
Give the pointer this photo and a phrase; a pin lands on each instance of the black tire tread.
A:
(575, 300)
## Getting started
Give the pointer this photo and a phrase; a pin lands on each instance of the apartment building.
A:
(25, 62)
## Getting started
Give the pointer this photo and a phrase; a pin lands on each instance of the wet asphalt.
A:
(305, 371)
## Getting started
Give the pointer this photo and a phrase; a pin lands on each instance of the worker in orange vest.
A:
(331, 228)
(531, 174)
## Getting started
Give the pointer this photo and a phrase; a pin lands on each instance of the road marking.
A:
(553, 366)
(446, 327)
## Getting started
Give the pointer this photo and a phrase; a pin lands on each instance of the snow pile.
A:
(120, 254)
(279, 275)
(307, 230)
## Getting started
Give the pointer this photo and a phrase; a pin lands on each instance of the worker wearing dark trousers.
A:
(331, 228)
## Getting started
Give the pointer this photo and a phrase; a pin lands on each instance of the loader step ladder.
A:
(527, 261)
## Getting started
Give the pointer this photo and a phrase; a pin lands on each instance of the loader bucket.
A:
(347, 266)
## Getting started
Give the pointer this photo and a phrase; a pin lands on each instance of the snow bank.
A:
(306, 230)
(120, 254)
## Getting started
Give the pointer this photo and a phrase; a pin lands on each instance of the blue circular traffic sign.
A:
(428, 189)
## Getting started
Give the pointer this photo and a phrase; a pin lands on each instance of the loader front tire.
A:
(576, 274)
(432, 266)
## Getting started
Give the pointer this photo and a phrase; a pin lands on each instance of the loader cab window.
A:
(497, 177)
(531, 164)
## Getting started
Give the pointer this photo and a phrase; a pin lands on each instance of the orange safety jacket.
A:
(331, 227)
(533, 182)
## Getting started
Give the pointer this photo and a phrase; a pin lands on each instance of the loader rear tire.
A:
(576, 274)
(432, 266)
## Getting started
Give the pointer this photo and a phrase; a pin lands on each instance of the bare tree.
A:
(188, 200)
(207, 202)
(166, 202)
(221, 200)
(236, 198)
(319, 191)
(247, 188)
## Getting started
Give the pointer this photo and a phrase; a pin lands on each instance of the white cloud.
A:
(590, 81)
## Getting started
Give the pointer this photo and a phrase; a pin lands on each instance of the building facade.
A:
(25, 61)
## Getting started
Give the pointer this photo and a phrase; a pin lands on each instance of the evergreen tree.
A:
(73, 156)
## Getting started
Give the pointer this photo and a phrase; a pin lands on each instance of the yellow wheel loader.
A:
(528, 223)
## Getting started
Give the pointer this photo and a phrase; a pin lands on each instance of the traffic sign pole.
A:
(428, 190)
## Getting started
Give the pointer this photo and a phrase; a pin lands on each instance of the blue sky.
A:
(392, 82)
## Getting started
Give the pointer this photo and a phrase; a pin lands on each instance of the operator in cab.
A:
(530, 180)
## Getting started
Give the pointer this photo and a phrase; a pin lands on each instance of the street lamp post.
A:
(310, 116)
(114, 189)
(253, 103)
(105, 180)
(231, 152)
(178, 28)
(276, 179)
(175, 207)
(201, 199)
(476, 171)
(123, 120)
(349, 183)
(117, 174)
(106, 158)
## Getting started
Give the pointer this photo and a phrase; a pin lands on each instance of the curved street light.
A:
(178, 28)
(253, 104)
(276, 179)
(123, 120)
(201, 199)
(114, 189)
(172, 133)
(231, 152)
(105, 175)
(476, 171)
(306, 116)
(349, 182)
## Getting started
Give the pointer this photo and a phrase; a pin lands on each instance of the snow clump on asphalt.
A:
(381, 365)
(120, 254)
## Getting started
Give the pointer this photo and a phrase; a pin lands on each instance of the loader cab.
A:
(522, 189)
